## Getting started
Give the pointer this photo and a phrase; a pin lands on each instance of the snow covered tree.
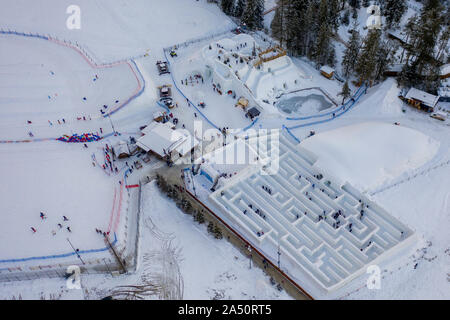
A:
(252, 16)
(422, 37)
(239, 8)
(278, 22)
(345, 20)
(345, 93)
(323, 51)
(366, 65)
(366, 3)
(227, 6)
(351, 53)
(393, 10)
(296, 27)
(355, 4)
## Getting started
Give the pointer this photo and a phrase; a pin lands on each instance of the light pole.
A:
(112, 125)
(76, 252)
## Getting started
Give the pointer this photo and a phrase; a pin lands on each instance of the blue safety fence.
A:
(251, 124)
(353, 101)
(23, 34)
(162, 105)
(137, 95)
(291, 134)
(347, 105)
(64, 255)
(187, 99)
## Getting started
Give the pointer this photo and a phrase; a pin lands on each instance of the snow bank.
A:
(369, 154)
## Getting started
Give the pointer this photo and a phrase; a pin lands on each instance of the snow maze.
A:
(330, 232)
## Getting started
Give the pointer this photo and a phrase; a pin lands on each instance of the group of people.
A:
(43, 217)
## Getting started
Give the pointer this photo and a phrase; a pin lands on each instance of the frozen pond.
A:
(309, 104)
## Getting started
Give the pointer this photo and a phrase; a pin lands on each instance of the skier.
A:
(33, 229)
(42, 215)
(29, 122)
(68, 229)
(60, 225)
(101, 130)
(30, 134)
(65, 218)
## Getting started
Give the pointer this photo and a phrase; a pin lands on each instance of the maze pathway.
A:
(330, 231)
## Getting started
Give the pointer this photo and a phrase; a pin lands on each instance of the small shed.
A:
(253, 113)
(327, 72)
(421, 99)
(121, 150)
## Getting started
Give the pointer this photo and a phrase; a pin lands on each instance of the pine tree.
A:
(252, 16)
(227, 6)
(323, 51)
(393, 10)
(239, 8)
(210, 227)
(423, 35)
(346, 18)
(366, 65)
(351, 53)
(217, 232)
(278, 22)
(355, 4)
(345, 93)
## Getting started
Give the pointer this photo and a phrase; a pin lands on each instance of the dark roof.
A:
(253, 112)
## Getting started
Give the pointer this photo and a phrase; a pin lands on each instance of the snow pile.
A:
(369, 154)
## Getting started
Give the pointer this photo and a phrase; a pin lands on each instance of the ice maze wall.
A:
(329, 232)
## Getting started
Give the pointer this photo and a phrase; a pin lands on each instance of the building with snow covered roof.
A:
(327, 72)
(165, 142)
(421, 99)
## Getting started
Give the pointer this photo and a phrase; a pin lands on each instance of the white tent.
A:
(162, 139)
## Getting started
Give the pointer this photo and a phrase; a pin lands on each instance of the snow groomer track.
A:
(327, 234)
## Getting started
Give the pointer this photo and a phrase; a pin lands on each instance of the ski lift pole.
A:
(112, 125)
(76, 252)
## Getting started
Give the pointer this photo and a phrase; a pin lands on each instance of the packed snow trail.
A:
(411, 177)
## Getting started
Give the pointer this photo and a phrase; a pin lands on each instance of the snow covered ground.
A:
(54, 177)
(207, 268)
(371, 153)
